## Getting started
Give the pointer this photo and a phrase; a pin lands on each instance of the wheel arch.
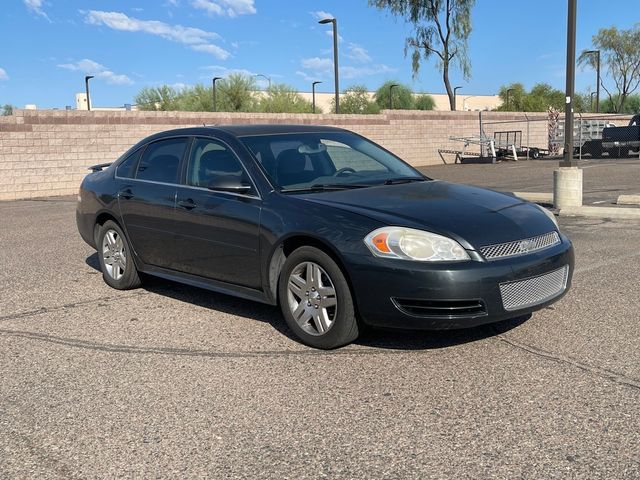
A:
(289, 244)
(101, 219)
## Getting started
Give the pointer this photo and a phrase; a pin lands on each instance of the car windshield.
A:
(327, 161)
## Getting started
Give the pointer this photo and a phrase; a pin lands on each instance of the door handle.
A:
(126, 193)
(188, 204)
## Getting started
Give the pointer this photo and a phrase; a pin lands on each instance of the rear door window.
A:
(161, 161)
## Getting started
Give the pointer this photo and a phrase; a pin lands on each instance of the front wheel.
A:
(316, 301)
(116, 262)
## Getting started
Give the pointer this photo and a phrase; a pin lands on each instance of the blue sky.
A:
(49, 45)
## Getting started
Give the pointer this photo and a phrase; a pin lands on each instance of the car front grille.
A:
(440, 308)
(520, 247)
(535, 290)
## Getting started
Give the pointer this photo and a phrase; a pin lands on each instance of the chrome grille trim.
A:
(520, 247)
(535, 290)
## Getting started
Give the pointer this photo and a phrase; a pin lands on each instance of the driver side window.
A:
(212, 165)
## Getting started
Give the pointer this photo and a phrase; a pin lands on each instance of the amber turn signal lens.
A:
(380, 242)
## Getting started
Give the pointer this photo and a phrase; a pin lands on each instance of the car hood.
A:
(474, 216)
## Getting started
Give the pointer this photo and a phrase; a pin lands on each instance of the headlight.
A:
(411, 244)
(550, 215)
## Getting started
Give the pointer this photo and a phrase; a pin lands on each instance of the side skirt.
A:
(208, 284)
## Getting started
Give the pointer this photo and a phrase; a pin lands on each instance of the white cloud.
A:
(317, 63)
(221, 71)
(330, 33)
(214, 50)
(356, 72)
(321, 15)
(195, 38)
(36, 7)
(357, 53)
(231, 8)
(309, 77)
(100, 71)
(319, 68)
(175, 33)
(3, 74)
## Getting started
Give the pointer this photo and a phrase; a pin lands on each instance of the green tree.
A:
(513, 100)
(282, 98)
(235, 94)
(355, 99)
(541, 97)
(195, 99)
(424, 102)
(440, 29)
(620, 55)
(538, 99)
(7, 110)
(157, 98)
(402, 96)
(611, 104)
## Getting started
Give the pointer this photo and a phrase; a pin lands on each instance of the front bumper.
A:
(378, 284)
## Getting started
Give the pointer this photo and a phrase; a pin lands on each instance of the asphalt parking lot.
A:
(603, 178)
(173, 381)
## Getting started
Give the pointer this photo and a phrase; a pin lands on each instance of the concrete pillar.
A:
(567, 187)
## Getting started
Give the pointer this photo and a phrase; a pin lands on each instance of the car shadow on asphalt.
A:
(375, 338)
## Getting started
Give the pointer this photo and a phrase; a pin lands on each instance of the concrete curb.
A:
(601, 212)
(536, 197)
(628, 200)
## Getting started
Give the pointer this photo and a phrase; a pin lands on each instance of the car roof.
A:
(247, 130)
(271, 129)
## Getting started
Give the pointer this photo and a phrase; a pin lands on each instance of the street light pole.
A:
(335, 57)
(591, 100)
(570, 85)
(86, 87)
(268, 79)
(455, 97)
(597, 54)
(313, 94)
(509, 90)
(215, 79)
(567, 179)
(391, 87)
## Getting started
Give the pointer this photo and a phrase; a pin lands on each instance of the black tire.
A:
(343, 328)
(534, 153)
(126, 278)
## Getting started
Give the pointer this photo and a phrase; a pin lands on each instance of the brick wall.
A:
(47, 152)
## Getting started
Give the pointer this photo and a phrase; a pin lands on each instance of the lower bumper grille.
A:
(440, 308)
(535, 290)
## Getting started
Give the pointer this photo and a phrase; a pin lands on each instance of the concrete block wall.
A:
(47, 152)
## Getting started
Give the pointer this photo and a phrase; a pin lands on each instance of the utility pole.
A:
(313, 94)
(597, 54)
(335, 57)
(86, 87)
(215, 79)
(567, 180)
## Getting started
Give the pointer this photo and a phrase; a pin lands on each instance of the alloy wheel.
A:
(113, 254)
(312, 298)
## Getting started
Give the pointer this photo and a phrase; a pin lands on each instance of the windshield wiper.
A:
(399, 180)
(325, 187)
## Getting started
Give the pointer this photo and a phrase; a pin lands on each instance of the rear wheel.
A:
(114, 254)
(316, 301)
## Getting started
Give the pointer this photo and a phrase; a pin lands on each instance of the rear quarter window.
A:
(127, 168)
